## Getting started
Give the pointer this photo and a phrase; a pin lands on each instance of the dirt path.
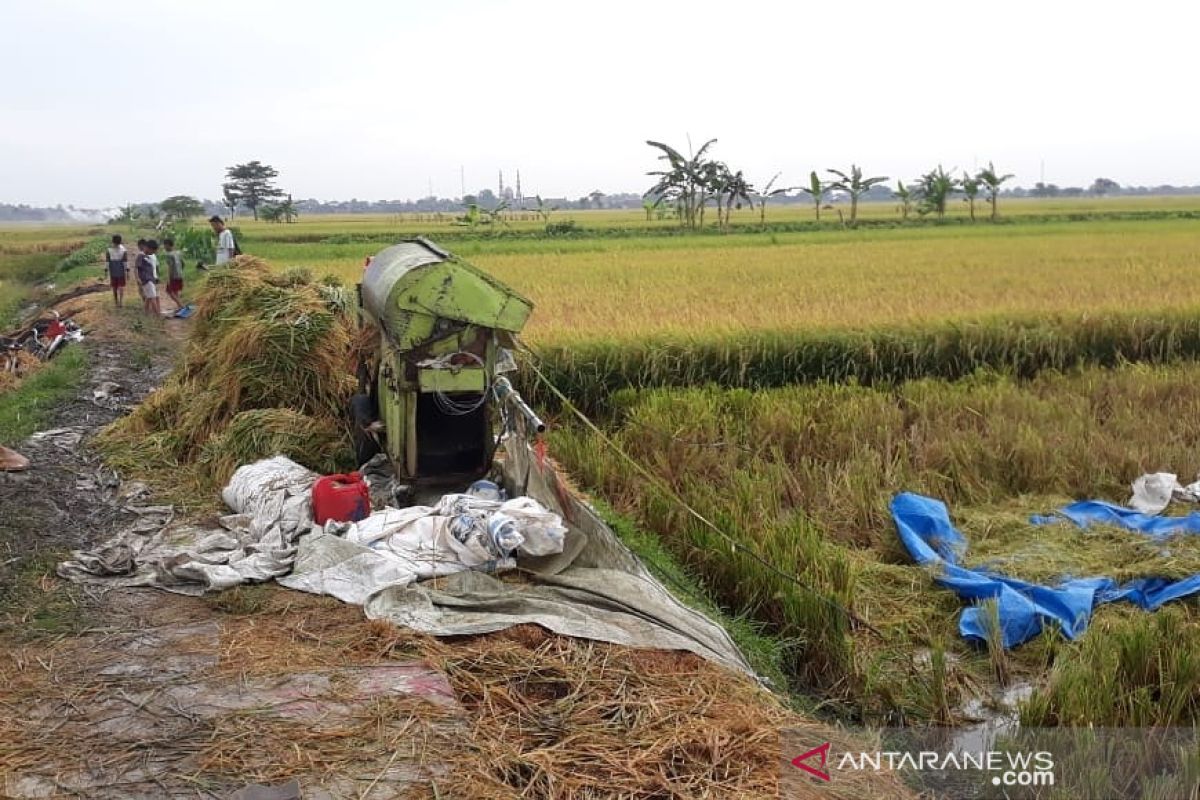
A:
(135, 693)
(69, 498)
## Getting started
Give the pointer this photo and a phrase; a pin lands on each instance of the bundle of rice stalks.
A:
(280, 346)
(252, 435)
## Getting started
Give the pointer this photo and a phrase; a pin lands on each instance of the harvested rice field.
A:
(758, 398)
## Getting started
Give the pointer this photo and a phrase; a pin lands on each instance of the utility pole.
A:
(462, 182)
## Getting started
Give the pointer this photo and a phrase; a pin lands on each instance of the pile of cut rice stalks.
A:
(268, 368)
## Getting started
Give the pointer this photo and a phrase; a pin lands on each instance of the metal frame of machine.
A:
(430, 393)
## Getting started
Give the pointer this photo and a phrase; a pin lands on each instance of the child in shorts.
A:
(174, 260)
(147, 274)
(117, 259)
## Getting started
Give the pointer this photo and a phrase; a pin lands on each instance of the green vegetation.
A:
(803, 475)
(1021, 347)
(767, 654)
(786, 379)
(30, 404)
(1130, 670)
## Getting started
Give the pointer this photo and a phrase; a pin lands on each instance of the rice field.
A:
(315, 227)
(701, 286)
(788, 381)
(29, 254)
(803, 475)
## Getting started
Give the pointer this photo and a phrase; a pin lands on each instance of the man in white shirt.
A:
(226, 248)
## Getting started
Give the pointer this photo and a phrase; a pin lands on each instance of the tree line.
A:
(694, 181)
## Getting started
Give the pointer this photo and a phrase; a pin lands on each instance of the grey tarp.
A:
(595, 589)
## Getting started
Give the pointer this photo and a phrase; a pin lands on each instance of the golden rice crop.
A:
(804, 475)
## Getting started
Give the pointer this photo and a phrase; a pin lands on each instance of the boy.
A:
(147, 273)
(141, 248)
(174, 272)
(226, 247)
(117, 259)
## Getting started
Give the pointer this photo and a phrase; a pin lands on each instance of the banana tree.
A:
(685, 180)
(492, 216)
(287, 210)
(766, 194)
(651, 205)
(992, 180)
(730, 189)
(816, 190)
(905, 195)
(970, 189)
(854, 185)
(544, 209)
(933, 191)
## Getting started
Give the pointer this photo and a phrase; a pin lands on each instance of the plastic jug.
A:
(343, 498)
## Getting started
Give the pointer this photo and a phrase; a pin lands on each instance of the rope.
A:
(655, 481)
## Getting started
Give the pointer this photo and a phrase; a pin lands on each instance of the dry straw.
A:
(268, 369)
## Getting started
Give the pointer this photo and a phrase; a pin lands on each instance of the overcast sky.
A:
(106, 102)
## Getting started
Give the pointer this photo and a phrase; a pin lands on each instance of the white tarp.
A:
(573, 576)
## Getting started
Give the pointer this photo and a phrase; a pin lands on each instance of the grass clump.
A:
(1131, 670)
(30, 404)
(267, 369)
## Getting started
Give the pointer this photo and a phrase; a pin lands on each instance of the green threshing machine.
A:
(429, 397)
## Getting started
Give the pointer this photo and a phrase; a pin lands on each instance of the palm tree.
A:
(766, 194)
(854, 185)
(970, 189)
(933, 190)
(905, 196)
(816, 190)
(989, 178)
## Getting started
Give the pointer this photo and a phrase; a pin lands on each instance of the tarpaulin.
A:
(932, 540)
(1098, 512)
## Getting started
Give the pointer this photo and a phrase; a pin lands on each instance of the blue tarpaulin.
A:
(932, 540)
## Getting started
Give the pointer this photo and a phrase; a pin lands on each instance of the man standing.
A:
(226, 247)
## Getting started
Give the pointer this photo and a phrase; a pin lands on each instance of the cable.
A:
(454, 408)
(655, 481)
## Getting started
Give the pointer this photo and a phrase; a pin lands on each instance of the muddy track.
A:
(69, 499)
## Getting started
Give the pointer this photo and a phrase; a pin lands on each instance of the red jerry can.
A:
(344, 498)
